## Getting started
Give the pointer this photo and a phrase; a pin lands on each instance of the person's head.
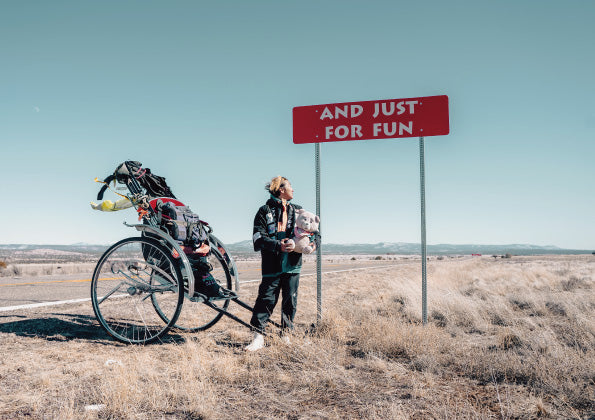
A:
(280, 187)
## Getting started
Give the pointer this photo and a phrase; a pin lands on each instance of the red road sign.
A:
(383, 119)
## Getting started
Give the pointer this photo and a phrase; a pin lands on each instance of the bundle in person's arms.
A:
(306, 225)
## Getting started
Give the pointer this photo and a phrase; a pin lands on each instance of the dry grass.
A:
(44, 269)
(506, 339)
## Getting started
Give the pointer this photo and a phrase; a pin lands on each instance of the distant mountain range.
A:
(244, 248)
(79, 247)
(408, 248)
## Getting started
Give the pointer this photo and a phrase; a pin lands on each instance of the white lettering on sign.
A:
(386, 130)
(389, 108)
(346, 111)
(381, 109)
(356, 110)
(342, 131)
(326, 114)
(411, 103)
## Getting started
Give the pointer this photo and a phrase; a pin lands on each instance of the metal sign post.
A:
(319, 247)
(422, 185)
(368, 120)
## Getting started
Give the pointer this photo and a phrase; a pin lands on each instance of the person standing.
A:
(273, 227)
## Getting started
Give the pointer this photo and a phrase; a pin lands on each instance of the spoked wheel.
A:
(196, 316)
(128, 278)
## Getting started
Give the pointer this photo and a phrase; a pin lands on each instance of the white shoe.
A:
(257, 342)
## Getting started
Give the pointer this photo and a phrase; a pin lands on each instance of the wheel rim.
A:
(125, 280)
(196, 316)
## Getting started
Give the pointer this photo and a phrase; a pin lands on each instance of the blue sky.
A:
(202, 92)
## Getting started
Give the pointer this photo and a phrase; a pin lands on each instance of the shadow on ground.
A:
(57, 327)
(67, 327)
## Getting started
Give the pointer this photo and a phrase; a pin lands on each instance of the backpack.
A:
(154, 184)
(182, 224)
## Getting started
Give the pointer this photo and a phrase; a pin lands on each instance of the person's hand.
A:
(287, 245)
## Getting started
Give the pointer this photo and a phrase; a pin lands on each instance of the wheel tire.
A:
(126, 279)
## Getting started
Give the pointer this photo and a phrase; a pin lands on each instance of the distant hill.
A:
(408, 248)
(89, 252)
(32, 253)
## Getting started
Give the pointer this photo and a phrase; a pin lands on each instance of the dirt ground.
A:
(505, 339)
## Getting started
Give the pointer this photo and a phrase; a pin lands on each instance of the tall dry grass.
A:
(505, 339)
(523, 323)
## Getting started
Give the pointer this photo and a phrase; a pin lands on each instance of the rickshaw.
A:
(141, 283)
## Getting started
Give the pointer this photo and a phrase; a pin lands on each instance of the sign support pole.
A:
(422, 183)
(319, 247)
(427, 115)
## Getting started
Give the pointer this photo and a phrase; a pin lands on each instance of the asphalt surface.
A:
(23, 292)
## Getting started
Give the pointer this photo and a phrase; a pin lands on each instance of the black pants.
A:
(268, 295)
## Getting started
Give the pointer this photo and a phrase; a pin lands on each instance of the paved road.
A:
(42, 290)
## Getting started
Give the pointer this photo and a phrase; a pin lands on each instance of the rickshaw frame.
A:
(143, 277)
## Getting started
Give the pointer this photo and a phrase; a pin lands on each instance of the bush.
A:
(2, 264)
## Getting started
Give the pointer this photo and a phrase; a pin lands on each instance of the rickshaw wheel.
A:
(129, 276)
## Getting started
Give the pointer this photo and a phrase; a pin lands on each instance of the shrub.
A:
(509, 341)
(2, 264)
(439, 318)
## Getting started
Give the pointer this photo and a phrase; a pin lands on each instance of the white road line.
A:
(64, 302)
(39, 305)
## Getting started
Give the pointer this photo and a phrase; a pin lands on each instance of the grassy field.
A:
(506, 339)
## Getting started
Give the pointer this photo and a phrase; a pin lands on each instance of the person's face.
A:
(286, 192)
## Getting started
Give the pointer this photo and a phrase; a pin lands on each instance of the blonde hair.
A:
(275, 185)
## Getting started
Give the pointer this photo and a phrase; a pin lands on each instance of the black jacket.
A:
(265, 236)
